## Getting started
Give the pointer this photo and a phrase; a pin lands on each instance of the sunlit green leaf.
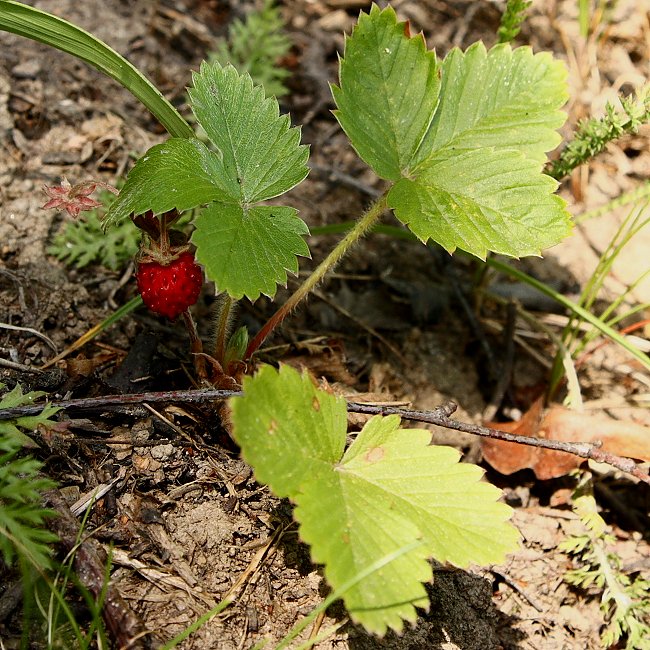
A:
(180, 173)
(388, 92)
(464, 141)
(259, 149)
(482, 200)
(390, 488)
(501, 98)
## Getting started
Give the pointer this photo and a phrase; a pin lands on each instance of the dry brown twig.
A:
(439, 416)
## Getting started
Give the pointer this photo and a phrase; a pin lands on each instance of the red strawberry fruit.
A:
(170, 289)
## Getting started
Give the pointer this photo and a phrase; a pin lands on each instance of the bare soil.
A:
(187, 522)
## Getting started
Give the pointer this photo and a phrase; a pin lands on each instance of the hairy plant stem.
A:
(360, 228)
(222, 328)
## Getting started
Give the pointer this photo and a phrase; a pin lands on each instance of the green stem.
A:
(37, 25)
(222, 328)
(359, 229)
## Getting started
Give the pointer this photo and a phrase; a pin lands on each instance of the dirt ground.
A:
(186, 519)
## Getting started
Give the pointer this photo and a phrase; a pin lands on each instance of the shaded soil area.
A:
(397, 323)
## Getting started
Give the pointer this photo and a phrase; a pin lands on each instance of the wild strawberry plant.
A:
(461, 143)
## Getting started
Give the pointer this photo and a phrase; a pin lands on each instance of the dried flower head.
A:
(74, 198)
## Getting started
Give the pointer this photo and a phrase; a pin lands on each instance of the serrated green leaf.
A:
(466, 154)
(501, 98)
(390, 488)
(261, 152)
(179, 173)
(247, 251)
(16, 397)
(289, 412)
(352, 528)
(388, 92)
(482, 200)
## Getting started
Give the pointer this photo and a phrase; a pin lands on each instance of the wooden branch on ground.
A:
(439, 416)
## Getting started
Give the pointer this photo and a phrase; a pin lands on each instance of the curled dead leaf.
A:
(558, 423)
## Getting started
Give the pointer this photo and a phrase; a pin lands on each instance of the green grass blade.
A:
(574, 308)
(40, 26)
(122, 311)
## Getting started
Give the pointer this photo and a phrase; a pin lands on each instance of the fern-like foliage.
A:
(513, 16)
(84, 242)
(21, 514)
(625, 601)
(593, 135)
(256, 45)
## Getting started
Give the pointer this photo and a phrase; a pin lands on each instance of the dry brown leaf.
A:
(558, 423)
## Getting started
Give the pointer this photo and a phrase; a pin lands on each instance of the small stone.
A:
(162, 452)
(26, 69)
(335, 21)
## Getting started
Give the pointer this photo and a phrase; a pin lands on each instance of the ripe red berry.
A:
(170, 290)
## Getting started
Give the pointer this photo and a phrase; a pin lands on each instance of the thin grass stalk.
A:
(633, 196)
(590, 336)
(630, 226)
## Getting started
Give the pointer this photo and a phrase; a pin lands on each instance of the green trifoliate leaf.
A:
(388, 92)
(482, 200)
(504, 98)
(258, 155)
(465, 154)
(259, 149)
(179, 174)
(389, 489)
(247, 251)
(478, 184)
